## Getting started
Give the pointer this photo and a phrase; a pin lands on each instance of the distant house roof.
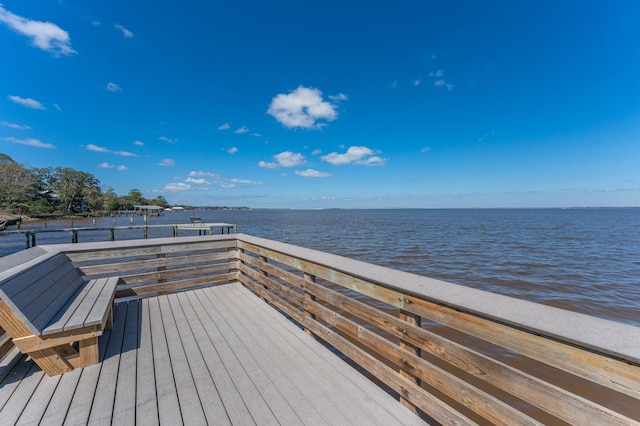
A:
(148, 207)
(177, 208)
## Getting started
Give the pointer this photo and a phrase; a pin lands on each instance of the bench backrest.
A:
(38, 293)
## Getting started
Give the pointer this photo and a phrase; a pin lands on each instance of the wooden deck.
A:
(217, 355)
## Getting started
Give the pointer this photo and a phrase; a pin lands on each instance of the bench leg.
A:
(108, 325)
(50, 361)
(88, 352)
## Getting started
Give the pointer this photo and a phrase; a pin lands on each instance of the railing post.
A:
(112, 234)
(266, 274)
(161, 268)
(26, 234)
(231, 259)
(416, 320)
(175, 231)
(33, 239)
(145, 231)
(309, 298)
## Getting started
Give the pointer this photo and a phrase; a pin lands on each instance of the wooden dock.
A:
(210, 356)
(234, 329)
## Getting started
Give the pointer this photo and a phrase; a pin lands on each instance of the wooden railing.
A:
(450, 353)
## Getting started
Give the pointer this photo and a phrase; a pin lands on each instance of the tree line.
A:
(60, 191)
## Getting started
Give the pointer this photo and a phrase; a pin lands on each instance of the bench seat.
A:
(54, 314)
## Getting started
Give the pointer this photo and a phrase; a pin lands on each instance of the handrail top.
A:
(121, 227)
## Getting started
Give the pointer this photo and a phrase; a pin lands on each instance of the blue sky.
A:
(356, 104)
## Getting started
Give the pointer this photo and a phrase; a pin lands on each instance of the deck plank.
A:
(249, 393)
(216, 355)
(38, 402)
(212, 404)
(21, 396)
(168, 404)
(190, 405)
(83, 397)
(316, 359)
(236, 410)
(61, 398)
(146, 401)
(227, 325)
(124, 407)
(323, 387)
(327, 398)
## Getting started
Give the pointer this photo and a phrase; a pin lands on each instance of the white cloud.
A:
(256, 134)
(122, 168)
(57, 107)
(442, 83)
(95, 23)
(316, 152)
(312, 173)
(284, 159)
(96, 148)
(425, 149)
(394, 84)
(138, 143)
(166, 162)
(28, 102)
(179, 186)
(224, 126)
(201, 181)
(416, 82)
(125, 32)
(14, 126)
(268, 165)
(303, 107)
(246, 181)
(360, 155)
(289, 159)
(207, 174)
(106, 165)
(113, 87)
(125, 153)
(241, 130)
(232, 150)
(166, 139)
(339, 97)
(438, 73)
(44, 35)
(30, 142)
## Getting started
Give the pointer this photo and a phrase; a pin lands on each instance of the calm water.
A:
(587, 260)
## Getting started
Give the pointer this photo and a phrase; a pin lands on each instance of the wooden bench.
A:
(54, 314)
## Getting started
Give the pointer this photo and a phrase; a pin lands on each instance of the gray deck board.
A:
(124, 407)
(146, 401)
(216, 355)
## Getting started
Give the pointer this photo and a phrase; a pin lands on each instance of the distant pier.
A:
(203, 228)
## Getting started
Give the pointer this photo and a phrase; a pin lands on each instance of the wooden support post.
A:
(309, 298)
(162, 267)
(33, 239)
(145, 231)
(416, 320)
(88, 352)
(112, 234)
(266, 274)
(175, 231)
(27, 238)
